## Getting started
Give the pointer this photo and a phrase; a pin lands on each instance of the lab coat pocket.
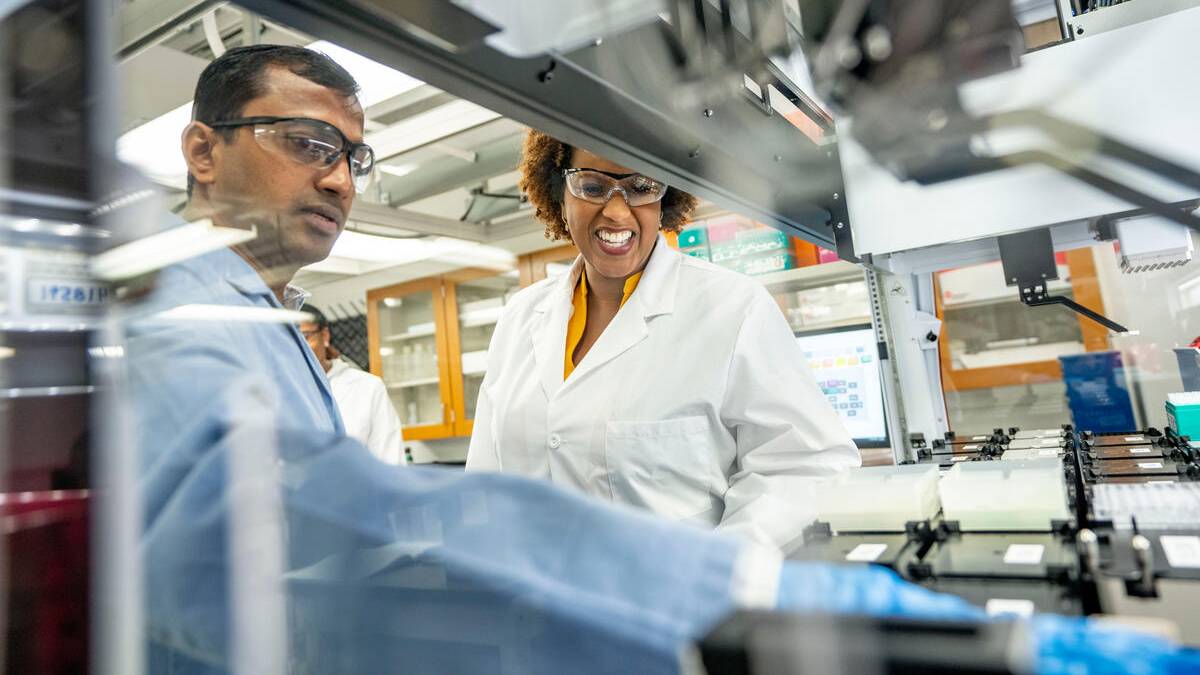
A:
(665, 466)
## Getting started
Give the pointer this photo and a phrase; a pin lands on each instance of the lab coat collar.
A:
(336, 367)
(655, 295)
(550, 330)
(655, 292)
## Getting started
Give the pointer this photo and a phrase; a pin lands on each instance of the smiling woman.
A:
(646, 377)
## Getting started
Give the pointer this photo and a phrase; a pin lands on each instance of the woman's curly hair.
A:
(543, 159)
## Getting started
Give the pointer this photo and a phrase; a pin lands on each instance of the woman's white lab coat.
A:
(695, 403)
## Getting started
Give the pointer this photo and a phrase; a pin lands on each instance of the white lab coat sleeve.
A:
(386, 440)
(787, 435)
(481, 453)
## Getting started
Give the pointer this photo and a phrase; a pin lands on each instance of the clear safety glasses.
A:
(309, 142)
(597, 187)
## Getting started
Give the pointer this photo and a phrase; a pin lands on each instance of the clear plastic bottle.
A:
(406, 362)
(421, 364)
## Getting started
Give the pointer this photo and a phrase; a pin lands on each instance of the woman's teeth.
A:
(614, 237)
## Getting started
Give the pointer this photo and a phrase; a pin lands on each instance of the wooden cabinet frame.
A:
(448, 346)
(462, 425)
(434, 286)
(532, 266)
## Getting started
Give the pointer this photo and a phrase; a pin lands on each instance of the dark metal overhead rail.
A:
(621, 98)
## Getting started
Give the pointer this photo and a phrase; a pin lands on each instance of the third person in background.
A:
(650, 378)
(361, 397)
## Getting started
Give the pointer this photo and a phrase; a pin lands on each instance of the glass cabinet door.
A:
(986, 326)
(999, 354)
(534, 267)
(821, 297)
(478, 300)
(406, 352)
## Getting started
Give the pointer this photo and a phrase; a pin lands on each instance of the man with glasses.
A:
(273, 543)
(278, 149)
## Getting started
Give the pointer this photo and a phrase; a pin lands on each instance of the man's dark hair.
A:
(318, 316)
(238, 76)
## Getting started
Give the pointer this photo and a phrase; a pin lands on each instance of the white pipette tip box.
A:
(878, 499)
(1008, 495)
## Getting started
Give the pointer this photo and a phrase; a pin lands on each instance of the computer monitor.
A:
(845, 362)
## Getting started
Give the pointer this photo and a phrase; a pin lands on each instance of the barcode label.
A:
(1009, 607)
(1024, 554)
(1181, 551)
(866, 552)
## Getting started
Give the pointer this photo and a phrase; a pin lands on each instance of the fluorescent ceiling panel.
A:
(377, 82)
(154, 146)
(428, 127)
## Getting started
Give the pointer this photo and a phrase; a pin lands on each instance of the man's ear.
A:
(199, 145)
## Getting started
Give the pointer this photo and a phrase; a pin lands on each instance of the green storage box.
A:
(1183, 413)
(693, 236)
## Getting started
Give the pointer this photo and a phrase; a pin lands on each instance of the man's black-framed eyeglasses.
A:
(309, 142)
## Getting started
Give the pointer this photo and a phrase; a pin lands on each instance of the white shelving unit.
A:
(408, 384)
(420, 332)
(813, 275)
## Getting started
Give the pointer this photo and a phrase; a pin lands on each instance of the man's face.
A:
(299, 210)
(318, 340)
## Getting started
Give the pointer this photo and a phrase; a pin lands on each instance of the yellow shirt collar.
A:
(578, 321)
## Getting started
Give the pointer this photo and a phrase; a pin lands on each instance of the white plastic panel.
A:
(879, 499)
(1005, 495)
(531, 27)
(1132, 84)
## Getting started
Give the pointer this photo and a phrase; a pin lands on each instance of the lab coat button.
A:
(555, 441)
